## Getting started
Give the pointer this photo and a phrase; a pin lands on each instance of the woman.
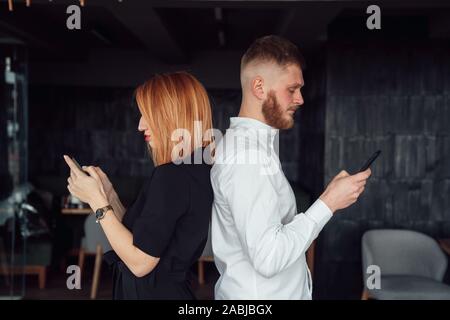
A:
(156, 241)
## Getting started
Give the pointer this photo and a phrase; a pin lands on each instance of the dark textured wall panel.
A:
(393, 97)
(311, 127)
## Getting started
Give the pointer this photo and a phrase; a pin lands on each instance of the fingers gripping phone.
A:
(370, 161)
(78, 165)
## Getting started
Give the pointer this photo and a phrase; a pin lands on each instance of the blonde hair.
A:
(170, 102)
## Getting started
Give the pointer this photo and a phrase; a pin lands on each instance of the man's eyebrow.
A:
(296, 85)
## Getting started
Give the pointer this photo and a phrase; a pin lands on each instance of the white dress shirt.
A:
(259, 241)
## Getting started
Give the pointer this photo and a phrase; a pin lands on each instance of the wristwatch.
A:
(100, 213)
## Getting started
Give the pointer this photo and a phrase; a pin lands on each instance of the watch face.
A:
(98, 213)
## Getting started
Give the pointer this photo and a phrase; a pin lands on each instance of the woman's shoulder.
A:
(167, 173)
(165, 180)
(180, 176)
(180, 170)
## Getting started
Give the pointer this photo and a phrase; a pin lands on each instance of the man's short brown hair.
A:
(273, 49)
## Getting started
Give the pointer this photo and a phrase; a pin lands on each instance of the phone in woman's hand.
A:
(77, 164)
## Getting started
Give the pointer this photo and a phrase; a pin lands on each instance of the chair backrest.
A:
(93, 235)
(403, 252)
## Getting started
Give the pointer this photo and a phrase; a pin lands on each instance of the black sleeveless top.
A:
(170, 220)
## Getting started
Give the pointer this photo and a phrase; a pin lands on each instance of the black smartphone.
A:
(369, 161)
(77, 164)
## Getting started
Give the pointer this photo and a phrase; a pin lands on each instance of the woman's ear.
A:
(258, 87)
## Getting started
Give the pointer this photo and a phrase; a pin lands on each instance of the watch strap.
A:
(100, 213)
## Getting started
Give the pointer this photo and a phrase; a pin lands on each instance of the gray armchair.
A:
(412, 265)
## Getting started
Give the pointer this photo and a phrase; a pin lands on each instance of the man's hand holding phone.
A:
(344, 189)
(370, 161)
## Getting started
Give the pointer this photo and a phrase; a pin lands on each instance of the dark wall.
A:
(394, 97)
(311, 127)
(97, 126)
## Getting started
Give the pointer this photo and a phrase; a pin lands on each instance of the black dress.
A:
(169, 219)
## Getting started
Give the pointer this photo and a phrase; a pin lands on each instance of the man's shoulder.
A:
(227, 157)
(236, 144)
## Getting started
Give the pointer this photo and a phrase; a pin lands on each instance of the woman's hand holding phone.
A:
(87, 188)
(105, 182)
(77, 164)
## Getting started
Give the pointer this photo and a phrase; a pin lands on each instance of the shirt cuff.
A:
(319, 213)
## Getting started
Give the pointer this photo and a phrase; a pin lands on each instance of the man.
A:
(259, 240)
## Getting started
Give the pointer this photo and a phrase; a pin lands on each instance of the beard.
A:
(274, 114)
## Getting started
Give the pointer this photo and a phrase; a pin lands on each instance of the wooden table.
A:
(445, 245)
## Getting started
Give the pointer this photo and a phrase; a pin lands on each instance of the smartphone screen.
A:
(370, 161)
(77, 164)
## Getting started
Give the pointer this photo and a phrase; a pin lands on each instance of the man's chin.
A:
(288, 123)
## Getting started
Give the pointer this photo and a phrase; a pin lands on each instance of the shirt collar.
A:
(264, 133)
(250, 123)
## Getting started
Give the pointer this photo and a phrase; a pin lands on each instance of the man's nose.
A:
(298, 99)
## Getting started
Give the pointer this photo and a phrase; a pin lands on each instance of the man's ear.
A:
(258, 87)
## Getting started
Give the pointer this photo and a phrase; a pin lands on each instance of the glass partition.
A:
(15, 212)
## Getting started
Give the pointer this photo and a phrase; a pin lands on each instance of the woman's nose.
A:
(141, 126)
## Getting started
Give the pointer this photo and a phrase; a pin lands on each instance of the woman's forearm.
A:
(119, 209)
(121, 240)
